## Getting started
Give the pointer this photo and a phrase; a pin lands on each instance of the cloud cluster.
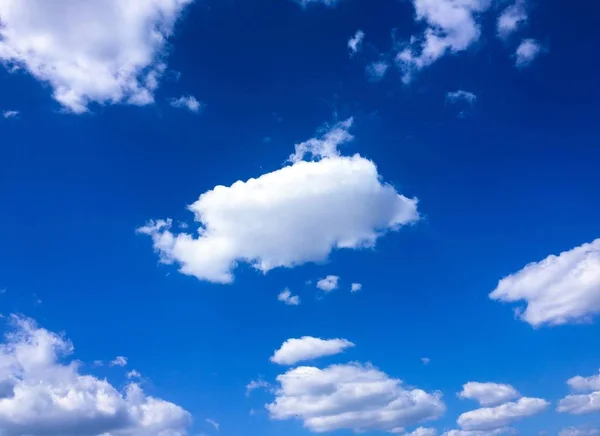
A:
(291, 216)
(557, 290)
(39, 395)
(293, 351)
(494, 420)
(353, 397)
(102, 51)
(587, 400)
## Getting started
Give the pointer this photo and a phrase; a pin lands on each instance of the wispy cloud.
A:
(528, 50)
(10, 114)
(511, 19)
(355, 43)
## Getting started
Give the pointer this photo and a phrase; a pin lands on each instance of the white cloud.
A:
(352, 396)
(492, 418)
(585, 384)
(214, 423)
(376, 71)
(188, 102)
(355, 287)
(289, 299)
(119, 361)
(488, 394)
(293, 351)
(451, 27)
(511, 19)
(328, 284)
(10, 114)
(579, 431)
(355, 43)
(43, 396)
(461, 96)
(422, 431)
(288, 217)
(425, 360)
(528, 50)
(257, 384)
(557, 290)
(102, 51)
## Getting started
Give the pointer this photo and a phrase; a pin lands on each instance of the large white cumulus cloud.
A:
(104, 51)
(353, 397)
(40, 396)
(294, 215)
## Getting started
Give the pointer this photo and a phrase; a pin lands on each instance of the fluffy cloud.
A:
(354, 397)
(461, 96)
(511, 19)
(557, 290)
(188, 102)
(103, 51)
(286, 297)
(488, 394)
(580, 404)
(492, 418)
(585, 384)
(288, 217)
(451, 27)
(355, 43)
(579, 431)
(306, 348)
(355, 287)
(328, 284)
(42, 396)
(527, 51)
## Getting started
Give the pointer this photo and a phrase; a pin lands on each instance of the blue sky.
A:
(418, 148)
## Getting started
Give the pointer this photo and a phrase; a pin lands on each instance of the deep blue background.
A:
(514, 181)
